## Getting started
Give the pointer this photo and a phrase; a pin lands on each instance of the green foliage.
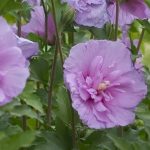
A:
(31, 105)
(16, 141)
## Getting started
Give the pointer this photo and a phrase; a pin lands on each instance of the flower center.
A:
(103, 85)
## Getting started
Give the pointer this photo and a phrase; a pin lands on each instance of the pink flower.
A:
(105, 87)
(129, 10)
(13, 69)
(37, 24)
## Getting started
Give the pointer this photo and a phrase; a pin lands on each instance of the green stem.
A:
(24, 123)
(52, 75)
(141, 39)
(120, 131)
(92, 35)
(19, 24)
(72, 122)
(46, 24)
(71, 37)
(58, 41)
(57, 33)
(117, 20)
(24, 119)
(110, 32)
(37, 122)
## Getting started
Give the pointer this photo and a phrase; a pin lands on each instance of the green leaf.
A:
(52, 142)
(34, 101)
(25, 110)
(7, 6)
(63, 110)
(40, 70)
(31, 98)
(120, 143)
(64, 133)
(15, 142)
(146, 55)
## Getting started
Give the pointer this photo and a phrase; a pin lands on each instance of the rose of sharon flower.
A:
(37, 24)
(128, 11)
(105, 87)
(28, 47)
(13, 70)
(89, 12)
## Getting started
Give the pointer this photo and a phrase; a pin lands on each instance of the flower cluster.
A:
(98, 12)
(104, 83)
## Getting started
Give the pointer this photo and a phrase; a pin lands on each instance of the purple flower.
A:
(37, 24)
(28, 47)
(105, 87)
(89, 12)
(33, 2)
(138, 64)
(129, 10)
(13, 70)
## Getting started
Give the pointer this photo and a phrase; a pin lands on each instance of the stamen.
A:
(103, 85)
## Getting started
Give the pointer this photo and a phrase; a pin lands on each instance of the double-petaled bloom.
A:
(105, 87)
(90, 12)
(13, 64)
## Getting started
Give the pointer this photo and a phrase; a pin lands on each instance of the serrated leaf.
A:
(25, 110)
(34, 101)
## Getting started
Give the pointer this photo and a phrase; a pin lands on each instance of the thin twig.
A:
(19, 24)
(46, 24)
(24, 118)
(72, 122)
(110, 32)
(141, 39)
(57, 33)
(117, 20)
(52, 75)
(37, 121)
(62, 61)
(119, 129)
